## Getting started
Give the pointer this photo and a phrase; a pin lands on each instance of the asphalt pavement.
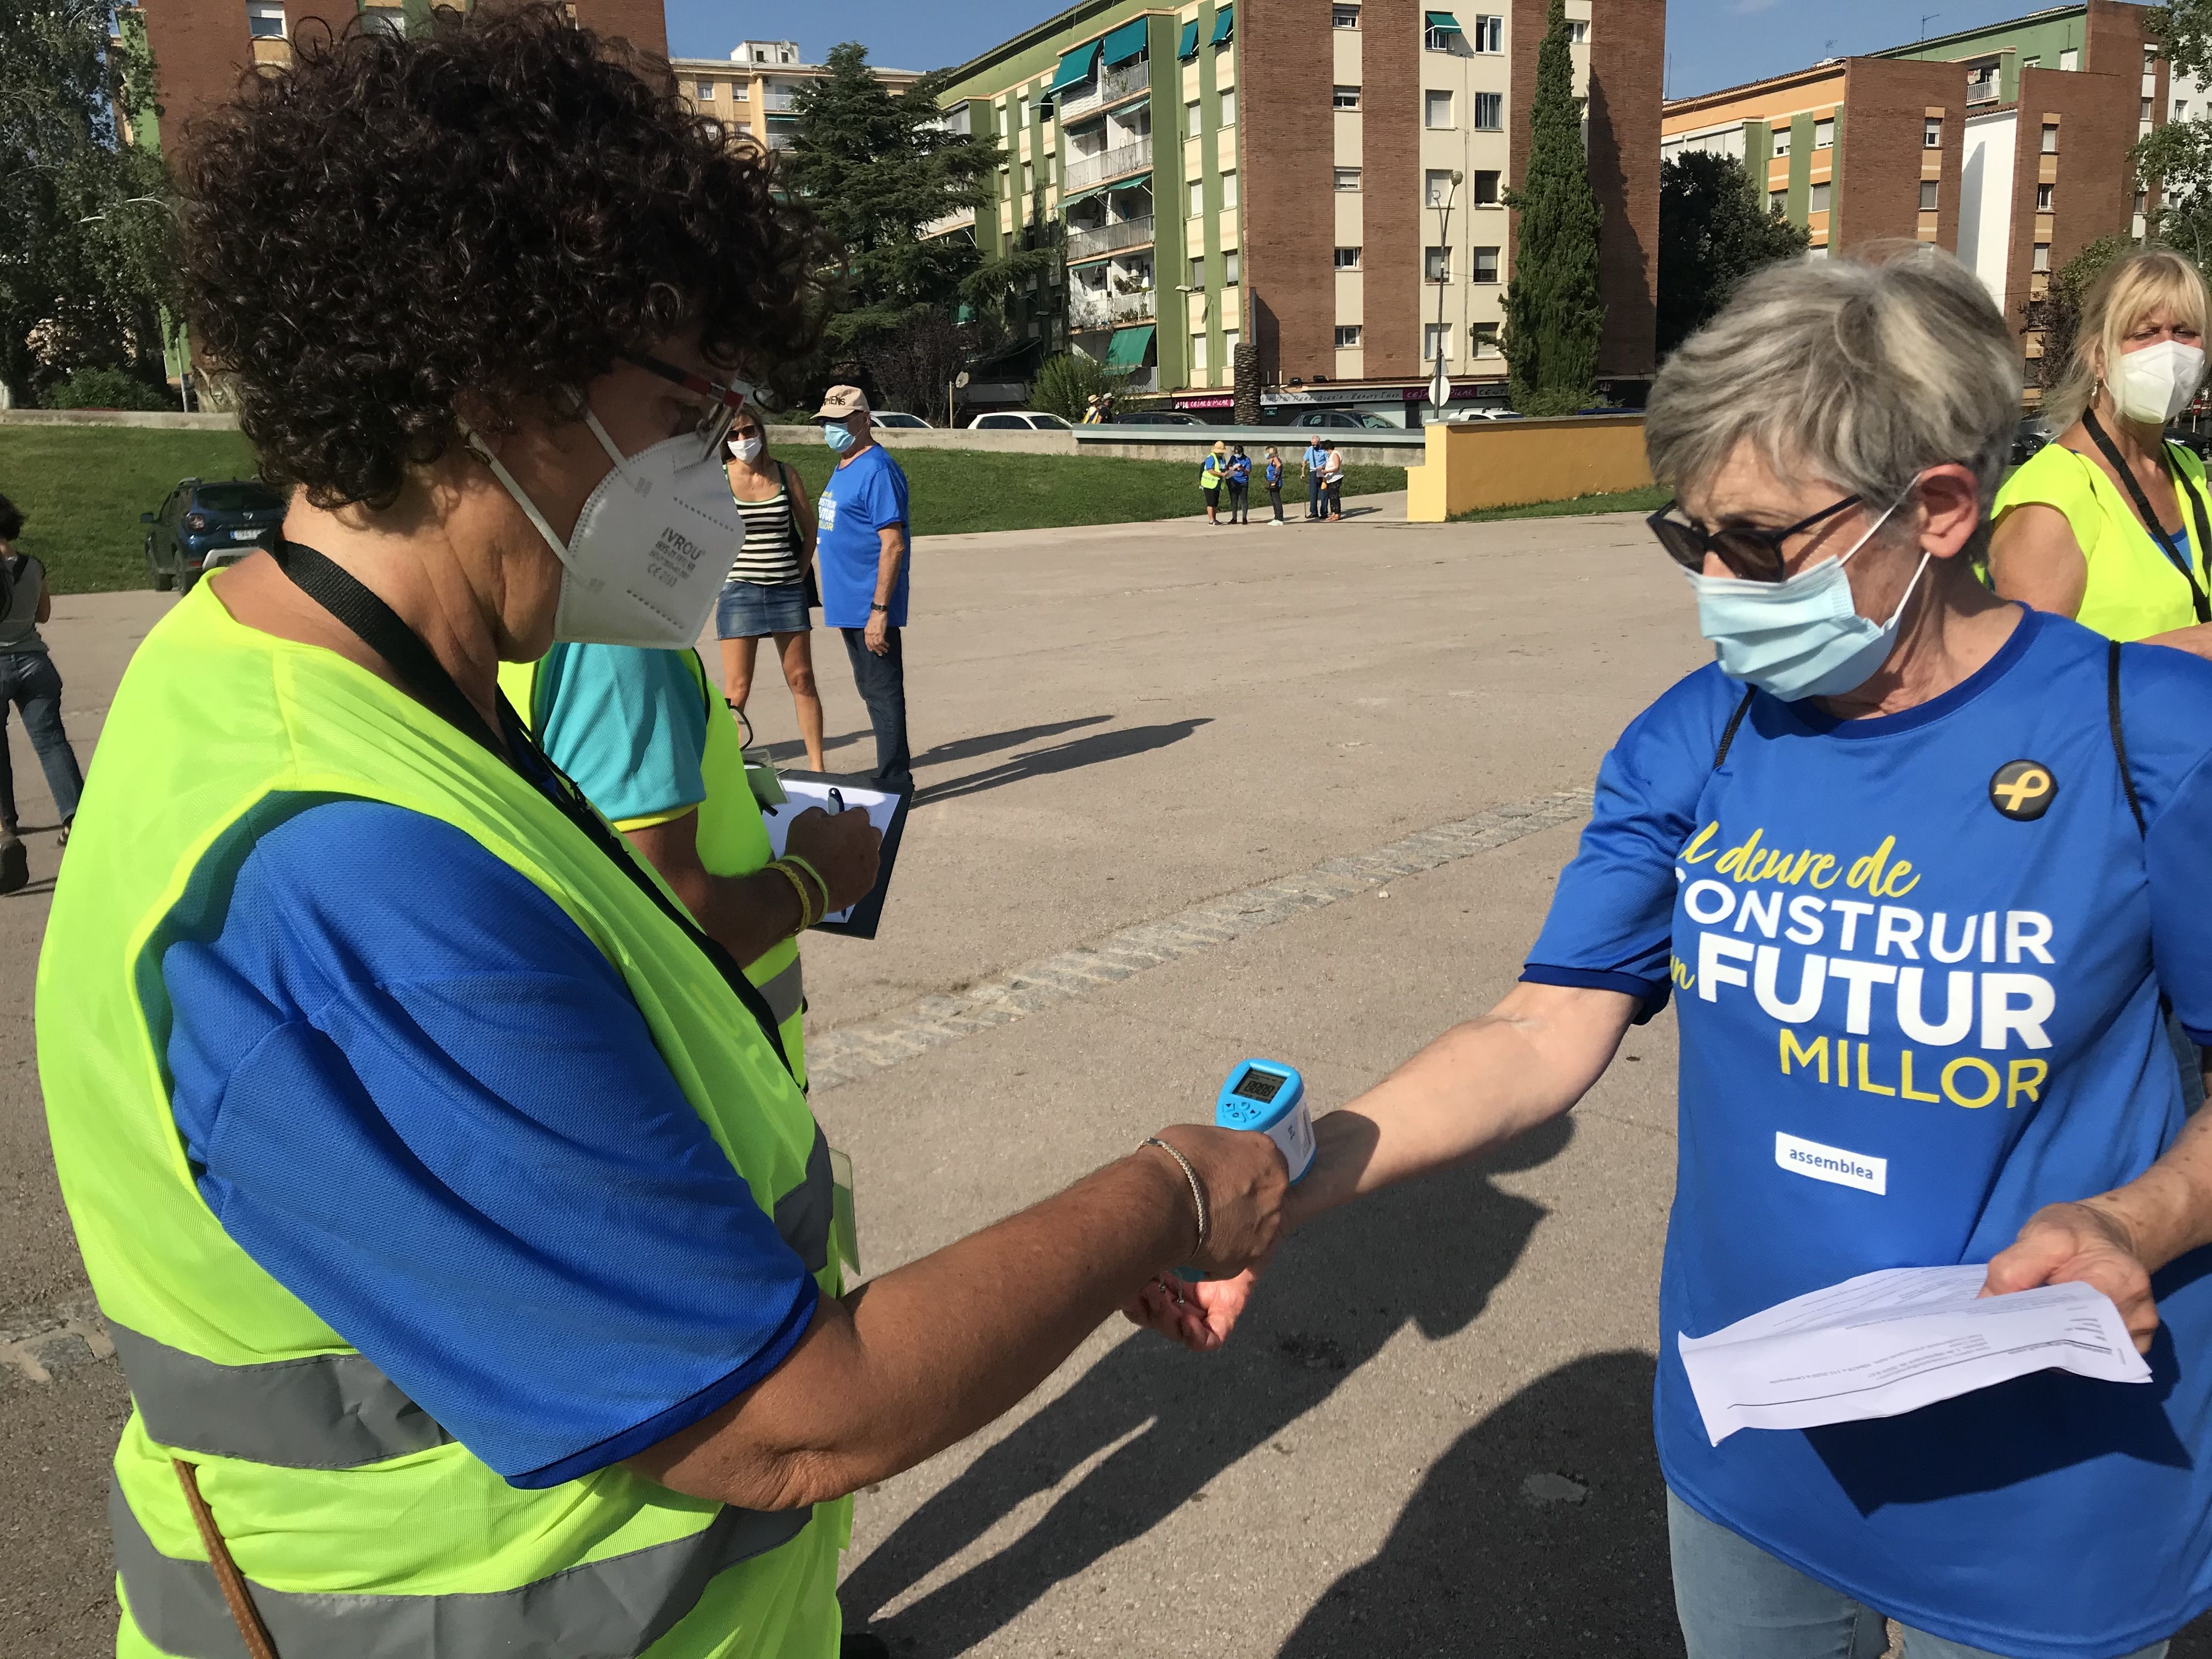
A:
(1185, 795)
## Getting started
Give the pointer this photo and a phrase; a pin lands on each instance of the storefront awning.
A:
(1127, 348)
(1075, 67)
(1225, 24)
(1125, 43)
(1187, 47)
(1445, 21)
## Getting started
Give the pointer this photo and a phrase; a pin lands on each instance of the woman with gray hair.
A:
(1920, 863)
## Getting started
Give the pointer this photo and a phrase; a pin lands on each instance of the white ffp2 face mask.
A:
(745, 449)
(646, 560)
(2160, 381)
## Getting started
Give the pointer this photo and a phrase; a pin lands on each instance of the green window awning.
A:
(1188, 46)
(1445, 21)
(1081, 197)
(1127, 348)
(1126, 42)
(1225, 24)
(1075, 67)
(1135, 181)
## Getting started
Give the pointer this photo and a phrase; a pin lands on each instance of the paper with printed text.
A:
(1890, 1342)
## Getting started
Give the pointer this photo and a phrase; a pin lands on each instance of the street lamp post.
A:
(1440, 381)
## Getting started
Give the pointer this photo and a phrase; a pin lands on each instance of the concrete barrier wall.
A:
(1485, 464)
(177, 421)
(916, 437)
(1359, 446)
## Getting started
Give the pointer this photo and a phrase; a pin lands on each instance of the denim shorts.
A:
(749, 611)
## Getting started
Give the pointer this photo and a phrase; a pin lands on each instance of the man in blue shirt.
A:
(862, 554)
(1316, 459)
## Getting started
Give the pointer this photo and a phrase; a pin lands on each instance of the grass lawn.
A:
(1627, 500)
(82, 488)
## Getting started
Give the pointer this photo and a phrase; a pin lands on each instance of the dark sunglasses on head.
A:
(726, 402)
(1755, 555)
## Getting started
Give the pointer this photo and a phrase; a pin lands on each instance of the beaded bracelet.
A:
(797, 862)
(807, 913)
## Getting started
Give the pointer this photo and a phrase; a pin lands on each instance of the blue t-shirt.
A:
(865, 495)
(1316, 457)
(1870, 958)
(627, 723)
(417, 1095)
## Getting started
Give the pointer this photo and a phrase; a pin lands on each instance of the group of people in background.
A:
(30, 681)
(1227, 469)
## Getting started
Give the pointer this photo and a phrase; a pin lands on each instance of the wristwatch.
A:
(883, 608)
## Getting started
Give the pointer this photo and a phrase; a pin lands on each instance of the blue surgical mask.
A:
(839, 437)
(1800, 637)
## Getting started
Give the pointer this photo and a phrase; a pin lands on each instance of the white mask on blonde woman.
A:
(2157, 383)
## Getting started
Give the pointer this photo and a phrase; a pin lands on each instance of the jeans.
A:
(30, 681)
(1736, 1601)
(882, 684)
(1240, 502)
(1275, 500)
(1312, 494)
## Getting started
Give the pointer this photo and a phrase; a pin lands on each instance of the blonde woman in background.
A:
(2108, 523)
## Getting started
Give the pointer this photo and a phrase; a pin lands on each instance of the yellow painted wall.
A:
(1512, 462)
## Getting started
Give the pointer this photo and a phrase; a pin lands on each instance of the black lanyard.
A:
(2150, 521)
(379, 628)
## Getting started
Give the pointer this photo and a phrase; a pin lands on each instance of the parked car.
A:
(1019, 419)
(1337, 417)
(2195, 442)
(897, 417)
(1467, 417)
(2030, 436)
(1154, 417)
(205, 525)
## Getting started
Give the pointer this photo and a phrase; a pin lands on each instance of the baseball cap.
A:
(840, 401)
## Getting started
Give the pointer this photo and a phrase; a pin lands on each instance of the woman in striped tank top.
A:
(766, 594)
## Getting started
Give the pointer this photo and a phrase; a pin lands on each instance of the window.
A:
(2042, 197)
(715, 128)
(1028, 179)
(1197, 271)
(1782, 141)
(1931, 133)
(1347, 334)
(1437, 187)
(2143, 201)
(1928, 189)
(2042, 256)
(1344, 17)
(1485, 265)
(1437, 266)
(1347, 177)
(265, 21)
(1198, 354)
(384, 20)
(1824, 134)
(1023, 119)
(1486, 190)
(2050, 138)
(1229, 108)
(1817, 202)
(1489, 34)
(1228, 192)
(1347, 98)
(2031, 63)
(1347, 259)
(1435, 342)
(1483, 339)
(1436, 109)
(2146, 110)
(1051, 171)
(1489, 112)
(1777, 202)
(1232, 267)
(2181, 109)
(2070, 59)
(1194, 119)
(1578, 34)
(1197, 198)
(1230, 339)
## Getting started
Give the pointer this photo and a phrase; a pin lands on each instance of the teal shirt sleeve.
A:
(628, 724)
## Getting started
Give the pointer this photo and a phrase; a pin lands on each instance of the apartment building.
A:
(1322, 179)
(2007, 145)
(754, 92)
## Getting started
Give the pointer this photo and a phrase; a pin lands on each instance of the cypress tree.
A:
(1553, 312)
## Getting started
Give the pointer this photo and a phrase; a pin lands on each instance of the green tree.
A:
(876, 168)
(1713, 232)
(1554, 313)
(2058, 313)
(1065, 384)
(86, 231)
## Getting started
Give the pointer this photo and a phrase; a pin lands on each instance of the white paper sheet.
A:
(799, 794)
(1890, 1342)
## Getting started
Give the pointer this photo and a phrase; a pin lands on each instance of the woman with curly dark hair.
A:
(474, 1262)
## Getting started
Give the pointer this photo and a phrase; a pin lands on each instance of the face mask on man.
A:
(2159, 382)
(745, 449)
(644, 564)
(838, 436)
(1801, 637)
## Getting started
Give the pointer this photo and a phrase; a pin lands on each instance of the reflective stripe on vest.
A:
(337, 1411)
(610, 1609)
(784, 993)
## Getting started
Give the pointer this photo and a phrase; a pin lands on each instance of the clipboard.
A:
(886, 810)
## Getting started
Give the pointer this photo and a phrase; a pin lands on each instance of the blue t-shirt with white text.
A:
(1913, 1010)
(865, 496)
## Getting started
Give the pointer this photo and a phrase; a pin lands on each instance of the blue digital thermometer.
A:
(1270, 1096)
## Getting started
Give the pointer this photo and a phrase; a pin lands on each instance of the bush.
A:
(106, 388)
(1066, 383)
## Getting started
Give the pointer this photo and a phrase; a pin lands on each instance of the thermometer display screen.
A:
(1262, 1087)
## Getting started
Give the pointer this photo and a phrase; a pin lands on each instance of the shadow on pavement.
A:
(1062, 758)
(1428, 1255)
(795, 747)
(961, 749)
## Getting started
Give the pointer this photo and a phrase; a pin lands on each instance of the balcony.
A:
(1109, 87)
(780, 141)
(1084, 171)
(1983, 92)
(782, 103)
(1109, 239)
(963, 220)
(1091, 310)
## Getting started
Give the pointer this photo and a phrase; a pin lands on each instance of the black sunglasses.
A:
(1755, 555)
(727, 402)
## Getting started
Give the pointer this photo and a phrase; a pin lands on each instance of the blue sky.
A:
(1710, 43)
